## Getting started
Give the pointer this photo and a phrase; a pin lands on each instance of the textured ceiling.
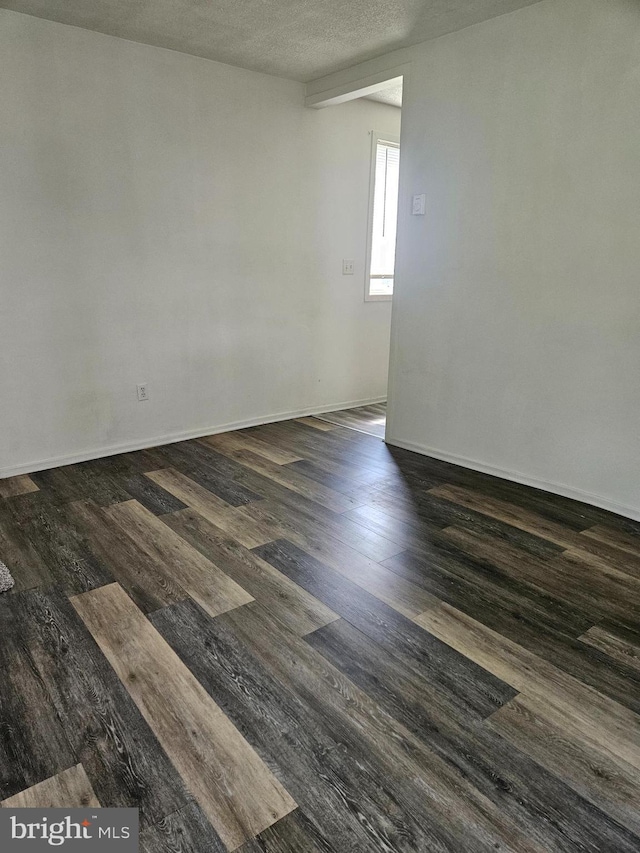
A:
(299, 39)
(390, 95)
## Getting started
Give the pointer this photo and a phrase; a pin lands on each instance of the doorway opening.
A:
(370, 419)
(378, 279)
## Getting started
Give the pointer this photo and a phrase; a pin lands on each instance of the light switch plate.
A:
(347, 267)
(419, 205)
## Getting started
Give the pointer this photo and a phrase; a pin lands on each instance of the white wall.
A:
(170, 220)
(516, 328)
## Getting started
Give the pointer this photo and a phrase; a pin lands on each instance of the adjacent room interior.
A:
(379, 259)
(319, 445)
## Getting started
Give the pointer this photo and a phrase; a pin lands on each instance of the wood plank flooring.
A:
(294, 638)
(233, 786)
(370, 419)
(70, 789)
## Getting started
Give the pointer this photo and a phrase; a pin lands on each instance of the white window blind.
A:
(384, 217)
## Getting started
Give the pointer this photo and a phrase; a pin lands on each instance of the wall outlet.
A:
(347, 267)
(143, 392)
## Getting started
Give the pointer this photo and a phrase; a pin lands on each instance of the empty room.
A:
(320, 426)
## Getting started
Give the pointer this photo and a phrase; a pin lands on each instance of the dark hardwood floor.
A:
(294, 638)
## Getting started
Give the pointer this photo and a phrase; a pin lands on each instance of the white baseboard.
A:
(172, 438)
(517, 477)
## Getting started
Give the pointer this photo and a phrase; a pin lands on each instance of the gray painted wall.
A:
(171, 220)
(516, 327)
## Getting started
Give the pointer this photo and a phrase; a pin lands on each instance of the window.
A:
(383, 217)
